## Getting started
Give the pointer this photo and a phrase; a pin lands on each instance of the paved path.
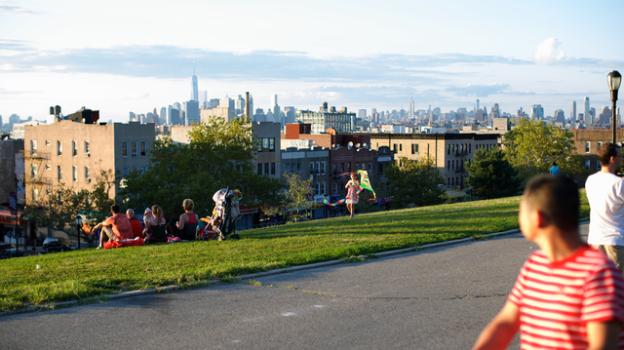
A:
(434, 299)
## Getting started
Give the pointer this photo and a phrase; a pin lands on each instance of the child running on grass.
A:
(568, 295)
(353, 194)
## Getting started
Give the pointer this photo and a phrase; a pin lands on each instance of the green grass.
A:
(88, 273)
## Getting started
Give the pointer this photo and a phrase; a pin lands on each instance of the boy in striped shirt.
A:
(567, 295)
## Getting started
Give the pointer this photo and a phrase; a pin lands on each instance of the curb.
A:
(174, 287)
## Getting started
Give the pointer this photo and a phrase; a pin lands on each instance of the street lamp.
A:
(614, 79)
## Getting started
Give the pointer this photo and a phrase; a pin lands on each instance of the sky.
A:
(121, 56)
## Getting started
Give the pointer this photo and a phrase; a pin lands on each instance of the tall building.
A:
(240, 105)
(162, 118)
(588, 119)
(559, 116)
(537, 112)
(174, 115)
(194, 88)
(277, 113)
(76, 154)
(573, 114)
(192, 112)
(326, 118)
(362, 114)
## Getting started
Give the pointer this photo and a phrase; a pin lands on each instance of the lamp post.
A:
(614, 79)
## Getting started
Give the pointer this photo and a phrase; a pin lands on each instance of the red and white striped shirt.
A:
(557, 299)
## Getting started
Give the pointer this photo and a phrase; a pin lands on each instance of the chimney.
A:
(247, 111)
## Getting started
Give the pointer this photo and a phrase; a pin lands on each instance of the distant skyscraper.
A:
(240, 105)
(588, 119)
(559, 116)
(478, 104)
(192, 112)
(412, 108)
(277, 113)
(203, 100)
(162, 118)
(573, 114)
(362, 114)
(195, 90)
(537, 112)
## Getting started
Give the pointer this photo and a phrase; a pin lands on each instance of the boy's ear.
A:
(541, 219)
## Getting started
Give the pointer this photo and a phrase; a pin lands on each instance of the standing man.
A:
(605, 193)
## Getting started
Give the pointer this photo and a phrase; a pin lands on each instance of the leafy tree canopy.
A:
(415, 182)
(490, 175)
(219, 155)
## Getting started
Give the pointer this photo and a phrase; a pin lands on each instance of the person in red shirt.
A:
(117, 227)
(137, 228)
(568, 295)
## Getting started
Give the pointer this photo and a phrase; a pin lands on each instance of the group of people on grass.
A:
(127, 229)
(570, 293)
(121, 227)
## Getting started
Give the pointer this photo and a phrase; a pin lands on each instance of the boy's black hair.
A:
(557, 197)
(607, 151)
(115, 208)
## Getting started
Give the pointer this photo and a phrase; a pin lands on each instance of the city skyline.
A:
(132, 67)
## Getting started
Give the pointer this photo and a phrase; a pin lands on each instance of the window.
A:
(414, 148)
(599, 145)
(33, 170)
(59, 148)
(35, 194)
(133, 147)
(143, 148)
(124, 149)
(259, 169)
(395, 148)
(59, 173)
(266, 144)
(400, 147)
(448, 149)
(470, 148)
(74, 173)
(273, 168)
(587, 164)
(266, 168)
(87, 150)
(448, 164)
(323, 167)
(74, 150)
(86, 174)
(587, 146)
(33, 146)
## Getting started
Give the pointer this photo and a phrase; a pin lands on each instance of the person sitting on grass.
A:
(117, 227)
(137, 228)
(155, 226)
(568, 295)
(187, 224)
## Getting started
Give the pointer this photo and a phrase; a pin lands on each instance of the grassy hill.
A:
(39, 280)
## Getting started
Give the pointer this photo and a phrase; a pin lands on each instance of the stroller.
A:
(226, 212)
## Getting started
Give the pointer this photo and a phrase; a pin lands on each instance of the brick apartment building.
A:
(449, 152)
(588, 143)
(74, 154)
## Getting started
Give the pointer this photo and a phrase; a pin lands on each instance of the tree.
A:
(490, 175)
(60, 206)
(415, 182)
(533, 145)
(219, 155)
(298, 194)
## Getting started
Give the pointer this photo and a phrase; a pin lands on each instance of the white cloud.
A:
(549, 51)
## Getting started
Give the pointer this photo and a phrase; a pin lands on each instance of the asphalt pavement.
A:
(438, 298)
